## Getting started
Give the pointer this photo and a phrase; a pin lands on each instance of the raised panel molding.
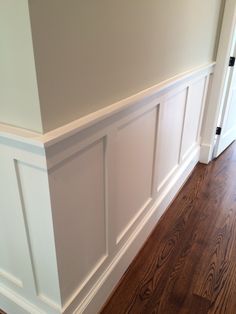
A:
(170, 134)
(35, 204)
(13, 244)
(85, 197)
(25, 274)
(193, 115)
(78, 192)
(14, 280)
(135, 152)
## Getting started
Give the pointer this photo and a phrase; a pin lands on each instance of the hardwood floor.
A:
(188, 265)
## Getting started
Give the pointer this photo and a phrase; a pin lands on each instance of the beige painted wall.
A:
(19, 102)
(90, 53)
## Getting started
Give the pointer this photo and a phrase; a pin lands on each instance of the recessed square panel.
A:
(192, 116)
(169, 137)
(135, 147)
(78, 185)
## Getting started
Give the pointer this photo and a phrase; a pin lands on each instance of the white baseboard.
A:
(13, 303)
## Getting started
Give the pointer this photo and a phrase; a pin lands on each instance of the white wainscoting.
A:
(134, 162)
(78, 189)
(80, 201)
(170, 135)
(28, 267)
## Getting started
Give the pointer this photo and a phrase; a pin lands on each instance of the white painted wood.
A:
(228, 110)
(135, 146)
(194, 107)
(80, 201)
(78, 190)
(14, 303)
(28, 268)
(40, 237)
(13, 244)
(170, 132)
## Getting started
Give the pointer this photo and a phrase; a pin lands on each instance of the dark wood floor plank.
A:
(205, 233)
(195, 305)
(216, 280)
(180, 278)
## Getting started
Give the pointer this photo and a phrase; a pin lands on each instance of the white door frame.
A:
(218, 82)
(228, 133)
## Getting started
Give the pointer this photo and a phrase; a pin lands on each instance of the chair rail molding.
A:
(80, 201)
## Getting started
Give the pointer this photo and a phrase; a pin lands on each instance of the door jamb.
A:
(218, 82)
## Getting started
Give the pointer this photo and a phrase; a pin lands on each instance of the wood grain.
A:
(188, 264)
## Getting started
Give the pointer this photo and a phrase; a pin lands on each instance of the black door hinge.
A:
(218, 130)
(231, 61)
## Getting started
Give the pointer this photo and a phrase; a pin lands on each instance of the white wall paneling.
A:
(193, 115)
(78, 185)
(135, 148)
(80, 201)
(170, 132)
(28, 268)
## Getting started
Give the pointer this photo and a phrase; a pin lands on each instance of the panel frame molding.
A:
(41, 296)
(154, 105)
(68, 155)
(180, 89)
(11, 278)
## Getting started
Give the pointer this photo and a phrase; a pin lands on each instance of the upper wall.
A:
(90, 54)
(19, 102)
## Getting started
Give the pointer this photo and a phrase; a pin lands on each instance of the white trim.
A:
(11, 278)
(61, 133)
(17, 302)
(20, 135)
(72, 128)
(131, 223)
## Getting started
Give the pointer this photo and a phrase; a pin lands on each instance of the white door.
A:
(227, 119)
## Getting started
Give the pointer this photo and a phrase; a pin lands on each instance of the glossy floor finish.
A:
(188, 264)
